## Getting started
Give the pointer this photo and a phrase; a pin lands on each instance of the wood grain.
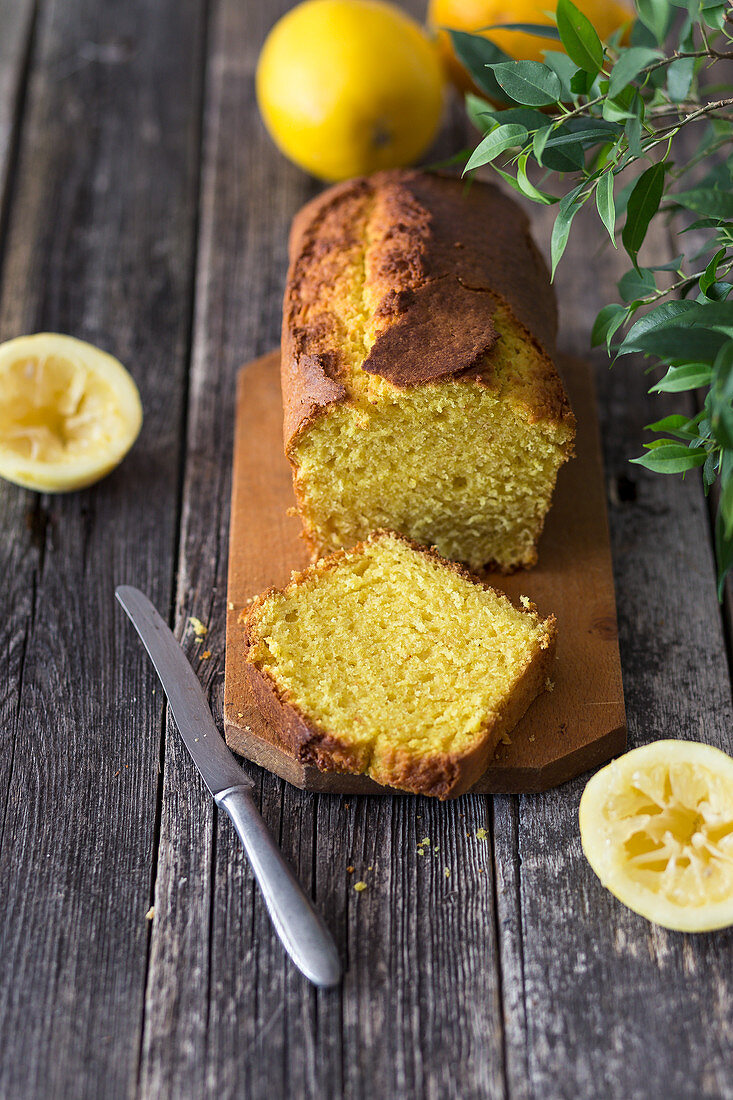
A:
(100, 235)
(517, 975)
(17, 20)
(577, 726)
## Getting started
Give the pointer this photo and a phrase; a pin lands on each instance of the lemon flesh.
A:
(69, 412)
(348, 87)
(657, 828)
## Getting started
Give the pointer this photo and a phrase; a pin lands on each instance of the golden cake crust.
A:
(442, 775)
(438, 258)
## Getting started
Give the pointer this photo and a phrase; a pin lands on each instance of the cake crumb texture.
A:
(388, 661)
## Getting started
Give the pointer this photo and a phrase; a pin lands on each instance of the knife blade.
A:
(299, 926)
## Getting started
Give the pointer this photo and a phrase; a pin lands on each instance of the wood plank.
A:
(234, 1015)
(19, 557)
(577, 726)
(597, 1001)
(17, 19)
(100, 241)
(220, 988)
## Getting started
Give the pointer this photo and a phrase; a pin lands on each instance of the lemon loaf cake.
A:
(418, 387)
(386, 660)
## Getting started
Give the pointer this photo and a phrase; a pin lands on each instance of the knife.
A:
(302, 931)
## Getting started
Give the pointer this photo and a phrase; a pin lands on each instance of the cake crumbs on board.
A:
(359, 886)
(150, 913)
(481, 834)
(205, 655)
(198, 627)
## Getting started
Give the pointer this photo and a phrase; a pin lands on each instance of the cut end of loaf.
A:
(386, 660)
(466, 466)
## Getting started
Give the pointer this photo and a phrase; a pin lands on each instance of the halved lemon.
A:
(69, 413)
(657, 828)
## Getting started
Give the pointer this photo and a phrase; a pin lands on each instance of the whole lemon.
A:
(475, 15)
(347, 87)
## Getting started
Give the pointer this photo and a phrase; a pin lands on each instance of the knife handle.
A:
(302, 932)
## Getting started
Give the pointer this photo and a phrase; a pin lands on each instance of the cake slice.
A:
(418, 382)
(388, 661)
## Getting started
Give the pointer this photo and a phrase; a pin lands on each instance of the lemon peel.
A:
(657, 828)
(69, 412)
(348, 87)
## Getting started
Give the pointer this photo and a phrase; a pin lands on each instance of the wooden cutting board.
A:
(565, 732)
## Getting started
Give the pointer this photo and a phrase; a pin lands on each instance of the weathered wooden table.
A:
(144, 209)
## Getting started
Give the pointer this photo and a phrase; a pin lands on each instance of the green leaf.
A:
(707, 279)
(527, 187)
(709, 471)
(676, 424)
(619, 108)
(637, 284)
(655, 15)
(528, 82)
(476, 54)
(480, 112)
(678, 344)
(672, 458)
(632, 129)
(579, 37)
(721, 397)
(701, 223)
(689, 376)
(564, 68)
(524, 116)
(508, 179)
(711, 315)
(714, 16)
(671, 265)
(679, 78)
(629, 65)
(565, 146)
(718, 292)
(582, 82)
(607, 323)
(570, 204)
(723, 553)
(587, 131)
(657, 318)
(542, 30)
(622, 197)
(538, 143)
(706, 200)
(725, 507)
(642, 206)
(641, 35)
(495, 143)
(604, 204)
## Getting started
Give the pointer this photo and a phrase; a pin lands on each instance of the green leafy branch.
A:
(586, 116)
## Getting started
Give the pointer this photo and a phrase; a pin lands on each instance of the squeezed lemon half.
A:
(657, 828)
(69, 412)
